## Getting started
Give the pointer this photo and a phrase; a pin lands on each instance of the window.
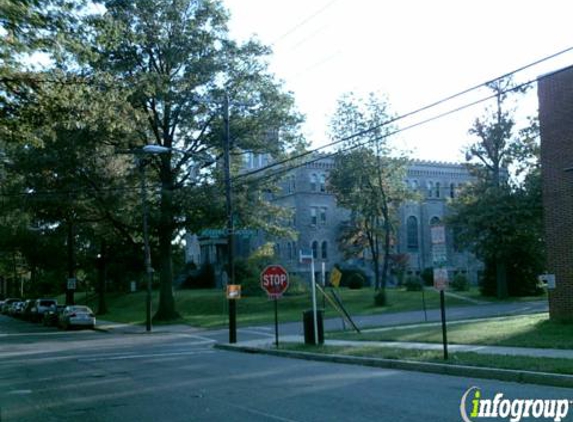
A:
(437, 190)
(322, 183)
(313, 218)
(278, 250)
(430, 189)
(435, 221)
(293, 183)
(452, 190)
(315, 249)
(324, 250)
(323, 216)
(412, 233)
(289, 250)
(313, 182)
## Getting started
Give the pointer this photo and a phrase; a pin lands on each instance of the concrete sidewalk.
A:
(487, 350)
(121, 328)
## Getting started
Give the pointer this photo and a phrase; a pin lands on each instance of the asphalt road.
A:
(49, 375)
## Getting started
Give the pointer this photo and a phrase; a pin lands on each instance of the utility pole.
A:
(148, 269)
(230, 222)
(71, 283)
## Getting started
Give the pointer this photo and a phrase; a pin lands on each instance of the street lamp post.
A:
(148, 269)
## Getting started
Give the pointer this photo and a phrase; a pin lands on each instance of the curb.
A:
(508, 375)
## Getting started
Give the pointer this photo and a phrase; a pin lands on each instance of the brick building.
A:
(555, 92)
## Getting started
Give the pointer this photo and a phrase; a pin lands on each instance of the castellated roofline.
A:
(436, 163)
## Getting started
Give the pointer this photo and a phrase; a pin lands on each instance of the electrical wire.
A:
(411, 113)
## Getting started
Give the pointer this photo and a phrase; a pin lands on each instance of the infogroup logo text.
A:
(475, 406)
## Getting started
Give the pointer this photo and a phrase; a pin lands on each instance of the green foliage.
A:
(368, 180)
(203, 279)
(499, 218)
(413, 284)
(460, 283)
(353, 278)
(428, 276)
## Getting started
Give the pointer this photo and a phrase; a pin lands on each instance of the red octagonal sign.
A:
(274, 280)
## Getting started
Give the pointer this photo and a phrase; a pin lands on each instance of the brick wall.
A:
(555, 92)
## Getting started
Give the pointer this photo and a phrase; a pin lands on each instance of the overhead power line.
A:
(412, 113)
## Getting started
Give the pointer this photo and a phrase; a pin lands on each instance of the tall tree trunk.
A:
(166, 310)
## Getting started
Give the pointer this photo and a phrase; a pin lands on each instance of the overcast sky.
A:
(413, 51)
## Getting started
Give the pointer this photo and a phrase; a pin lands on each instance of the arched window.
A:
(324, 250)
(315, 249)
(438, 190)
(412, 233)
(435, 221)
(430, 189)
(313, 182)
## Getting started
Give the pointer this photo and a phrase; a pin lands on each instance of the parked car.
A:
(8, 304)
(17, 309)
(77, 316)
(41, 306)
(52, 316)
(27, 311)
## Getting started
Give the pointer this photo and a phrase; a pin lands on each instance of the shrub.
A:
(413, 283)
(428, 276)
(355, 281)
(204, 279)
(297, 286)
(353, 278)
(460, 283)
(380, 298)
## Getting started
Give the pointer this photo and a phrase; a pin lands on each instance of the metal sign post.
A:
(274, 281)
(440, 259)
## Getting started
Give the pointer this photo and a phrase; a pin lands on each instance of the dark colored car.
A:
(8, 304)
(52, 317)
(41, 306)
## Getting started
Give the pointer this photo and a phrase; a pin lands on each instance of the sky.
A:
(415, 52)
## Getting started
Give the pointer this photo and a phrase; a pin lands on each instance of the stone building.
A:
(317, 219)
(555, 92)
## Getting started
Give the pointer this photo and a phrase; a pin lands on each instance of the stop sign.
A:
(274, 280)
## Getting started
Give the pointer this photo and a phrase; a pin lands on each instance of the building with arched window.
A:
(317, 219)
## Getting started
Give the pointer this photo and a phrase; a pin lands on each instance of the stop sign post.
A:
(274, 281)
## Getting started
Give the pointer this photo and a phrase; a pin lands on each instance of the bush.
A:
(380, 298)
(428, 276)
(413, 284)
(353, 278)
(355, 281)
(460, 283)
(204, 279)
(521, 279)
(297, 286)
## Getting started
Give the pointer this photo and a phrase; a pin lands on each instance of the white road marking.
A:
(147, 355)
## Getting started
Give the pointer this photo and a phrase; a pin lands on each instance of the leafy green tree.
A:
(499, 217)
(182, 68)
(368, 180)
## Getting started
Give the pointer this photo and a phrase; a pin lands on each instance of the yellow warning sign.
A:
(335, 277)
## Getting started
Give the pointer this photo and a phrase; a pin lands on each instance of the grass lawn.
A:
(553, 365)
(208, 308)
(520, 331)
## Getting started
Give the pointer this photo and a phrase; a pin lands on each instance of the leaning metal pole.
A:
(148, 269)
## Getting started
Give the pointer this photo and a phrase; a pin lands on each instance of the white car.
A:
(77, 316)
